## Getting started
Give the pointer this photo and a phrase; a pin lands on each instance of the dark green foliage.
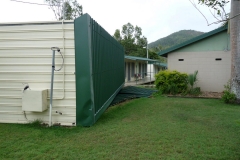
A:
(72, 9)
(134, 42)
(171, 82)
(228, 96)
(131, 38)
(173, 39)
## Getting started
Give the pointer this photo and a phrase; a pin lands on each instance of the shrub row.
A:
(174, 82)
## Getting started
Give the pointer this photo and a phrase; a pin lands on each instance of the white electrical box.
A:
(34, 100)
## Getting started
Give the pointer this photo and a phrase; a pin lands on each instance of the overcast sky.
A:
(157, 18)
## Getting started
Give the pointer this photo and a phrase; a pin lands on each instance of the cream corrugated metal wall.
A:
(26, 57)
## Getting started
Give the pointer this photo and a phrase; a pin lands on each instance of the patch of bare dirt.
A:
(217, 95)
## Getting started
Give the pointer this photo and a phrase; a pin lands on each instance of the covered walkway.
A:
(139, 70)
(140, 81)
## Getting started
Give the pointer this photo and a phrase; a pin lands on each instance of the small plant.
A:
(36, 123)
(195, 91)
(192, 80)
(228, 96)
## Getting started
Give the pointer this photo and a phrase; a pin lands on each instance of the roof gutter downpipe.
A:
(52, 78)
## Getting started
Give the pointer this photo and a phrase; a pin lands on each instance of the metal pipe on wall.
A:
(51, 95)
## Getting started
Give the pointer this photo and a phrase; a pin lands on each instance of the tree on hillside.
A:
(173, 39)
(158, 48)
(65, 9)
(132, 40)
(235, 40)
(134, 43)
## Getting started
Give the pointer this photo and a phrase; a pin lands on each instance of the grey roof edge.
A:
(154, 62)
(139, 58)
(193, 40)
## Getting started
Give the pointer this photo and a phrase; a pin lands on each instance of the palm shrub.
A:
(192, 80)
(172, 82)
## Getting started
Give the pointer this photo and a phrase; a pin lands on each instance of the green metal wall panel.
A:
(99, 61)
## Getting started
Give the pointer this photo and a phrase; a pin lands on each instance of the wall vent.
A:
(180, 59)
(218, 59)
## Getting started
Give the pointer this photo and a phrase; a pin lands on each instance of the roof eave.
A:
(164, 53)
(139, 59)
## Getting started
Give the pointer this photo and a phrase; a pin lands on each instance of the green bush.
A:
(228, 96)
(171, 82)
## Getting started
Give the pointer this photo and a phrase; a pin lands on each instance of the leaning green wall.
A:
(99, 65)
(218, 42)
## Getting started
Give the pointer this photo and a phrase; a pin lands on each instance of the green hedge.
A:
(172, 82)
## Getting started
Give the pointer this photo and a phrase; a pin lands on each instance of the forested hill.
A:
(174, 39)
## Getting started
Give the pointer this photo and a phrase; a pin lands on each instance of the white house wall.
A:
(212, 74)
(26, 57)
(151, 71)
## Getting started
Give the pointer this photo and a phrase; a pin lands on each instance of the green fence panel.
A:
(99, 69)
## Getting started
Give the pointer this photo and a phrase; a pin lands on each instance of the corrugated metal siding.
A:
(26, 57)
(99, 69)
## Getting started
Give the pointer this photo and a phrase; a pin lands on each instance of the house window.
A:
(218, 59)
(180, 59)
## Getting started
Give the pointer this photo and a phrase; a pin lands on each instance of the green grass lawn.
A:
(146, 128)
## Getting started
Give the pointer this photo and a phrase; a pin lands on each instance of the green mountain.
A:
(173, 39)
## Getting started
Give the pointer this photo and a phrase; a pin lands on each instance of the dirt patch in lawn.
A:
(216, 95)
